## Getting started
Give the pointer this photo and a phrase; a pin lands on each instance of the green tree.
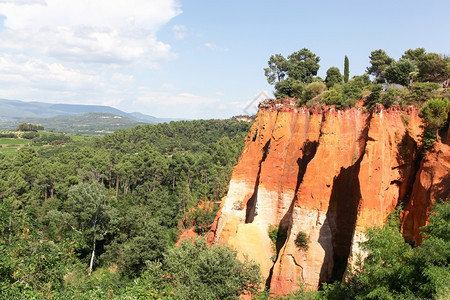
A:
(289, 88)
(333, 76)
(434, 114)
(29, 127)
(334, 96)
(277, 70)
(395, 270)
(414, 55)
(195, 270)
(374, 96)
(312, 90)
(346, 69)
(303, 65)
(399, 72)
(379, 61)
(434, 67)
(30, 267)
(93, 215)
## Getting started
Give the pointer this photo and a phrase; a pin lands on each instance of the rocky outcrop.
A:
(325, 172)
(432, 184)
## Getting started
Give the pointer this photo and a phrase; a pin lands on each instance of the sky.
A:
(194, 59)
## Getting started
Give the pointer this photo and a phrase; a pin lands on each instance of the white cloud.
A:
(29, 78)
(22, 70)
(122, 78)
(100, 31)
(215, 47)
(24, 2)
(179, 32)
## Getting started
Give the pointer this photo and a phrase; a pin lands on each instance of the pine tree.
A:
(346, 69)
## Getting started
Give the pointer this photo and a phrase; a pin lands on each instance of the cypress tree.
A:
(346, 70)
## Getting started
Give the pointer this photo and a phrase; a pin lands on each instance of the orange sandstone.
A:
(325, 172)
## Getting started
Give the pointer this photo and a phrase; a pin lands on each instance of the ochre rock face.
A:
(432, 183)
(325, 172)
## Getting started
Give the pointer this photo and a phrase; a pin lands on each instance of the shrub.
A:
(312, 90)
(393, 96)
(30, 135)
(422, 91)
(353, 89)
(334, 76)
(334, 96)
(374, 97)
(273, 233)
(195, 271)
(8, 135)
(289, 88)
(434, 114)
(302, 240)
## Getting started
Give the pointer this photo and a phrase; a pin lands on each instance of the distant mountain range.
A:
(71, 118)
(15, 110)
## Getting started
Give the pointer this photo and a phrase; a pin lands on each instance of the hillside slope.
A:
(17, 110)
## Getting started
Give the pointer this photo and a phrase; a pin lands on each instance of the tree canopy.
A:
(400, 71)
(346, 69)
(277, 70)
(333, 76)
(303, 65)
(83, 220)
(379, 61)
(290, 75)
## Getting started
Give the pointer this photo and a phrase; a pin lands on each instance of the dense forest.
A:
(87, 219)
(98, 218)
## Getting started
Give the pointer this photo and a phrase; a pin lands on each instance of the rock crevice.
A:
(325, 172)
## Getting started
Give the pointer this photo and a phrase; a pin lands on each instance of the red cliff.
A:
(330, 174)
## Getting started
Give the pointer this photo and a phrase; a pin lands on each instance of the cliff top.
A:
(286, 104)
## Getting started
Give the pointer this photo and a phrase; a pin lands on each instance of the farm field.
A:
(9, 146)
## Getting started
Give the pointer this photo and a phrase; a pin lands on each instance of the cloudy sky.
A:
(193, 58)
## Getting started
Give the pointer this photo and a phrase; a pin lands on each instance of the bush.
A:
(374, 97)
(312, 90)
(289, 88)
(51, 138)
(302, 240)
(273, 233)
(10, 135)
(334, 96)
(196, 271)
(30, 135)
(422, 91)
(394, 96)
(434, 114)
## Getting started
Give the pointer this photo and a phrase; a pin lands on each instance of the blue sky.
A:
(197, 58)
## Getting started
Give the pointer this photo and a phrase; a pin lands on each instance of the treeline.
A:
(87, 219)
(416, 77)
(29, 127)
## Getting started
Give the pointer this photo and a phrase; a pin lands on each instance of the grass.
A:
(13, 141)
(9, 146)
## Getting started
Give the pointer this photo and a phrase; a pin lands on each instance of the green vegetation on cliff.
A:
(414, 79)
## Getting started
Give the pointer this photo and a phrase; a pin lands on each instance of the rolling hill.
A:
(15, 110)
